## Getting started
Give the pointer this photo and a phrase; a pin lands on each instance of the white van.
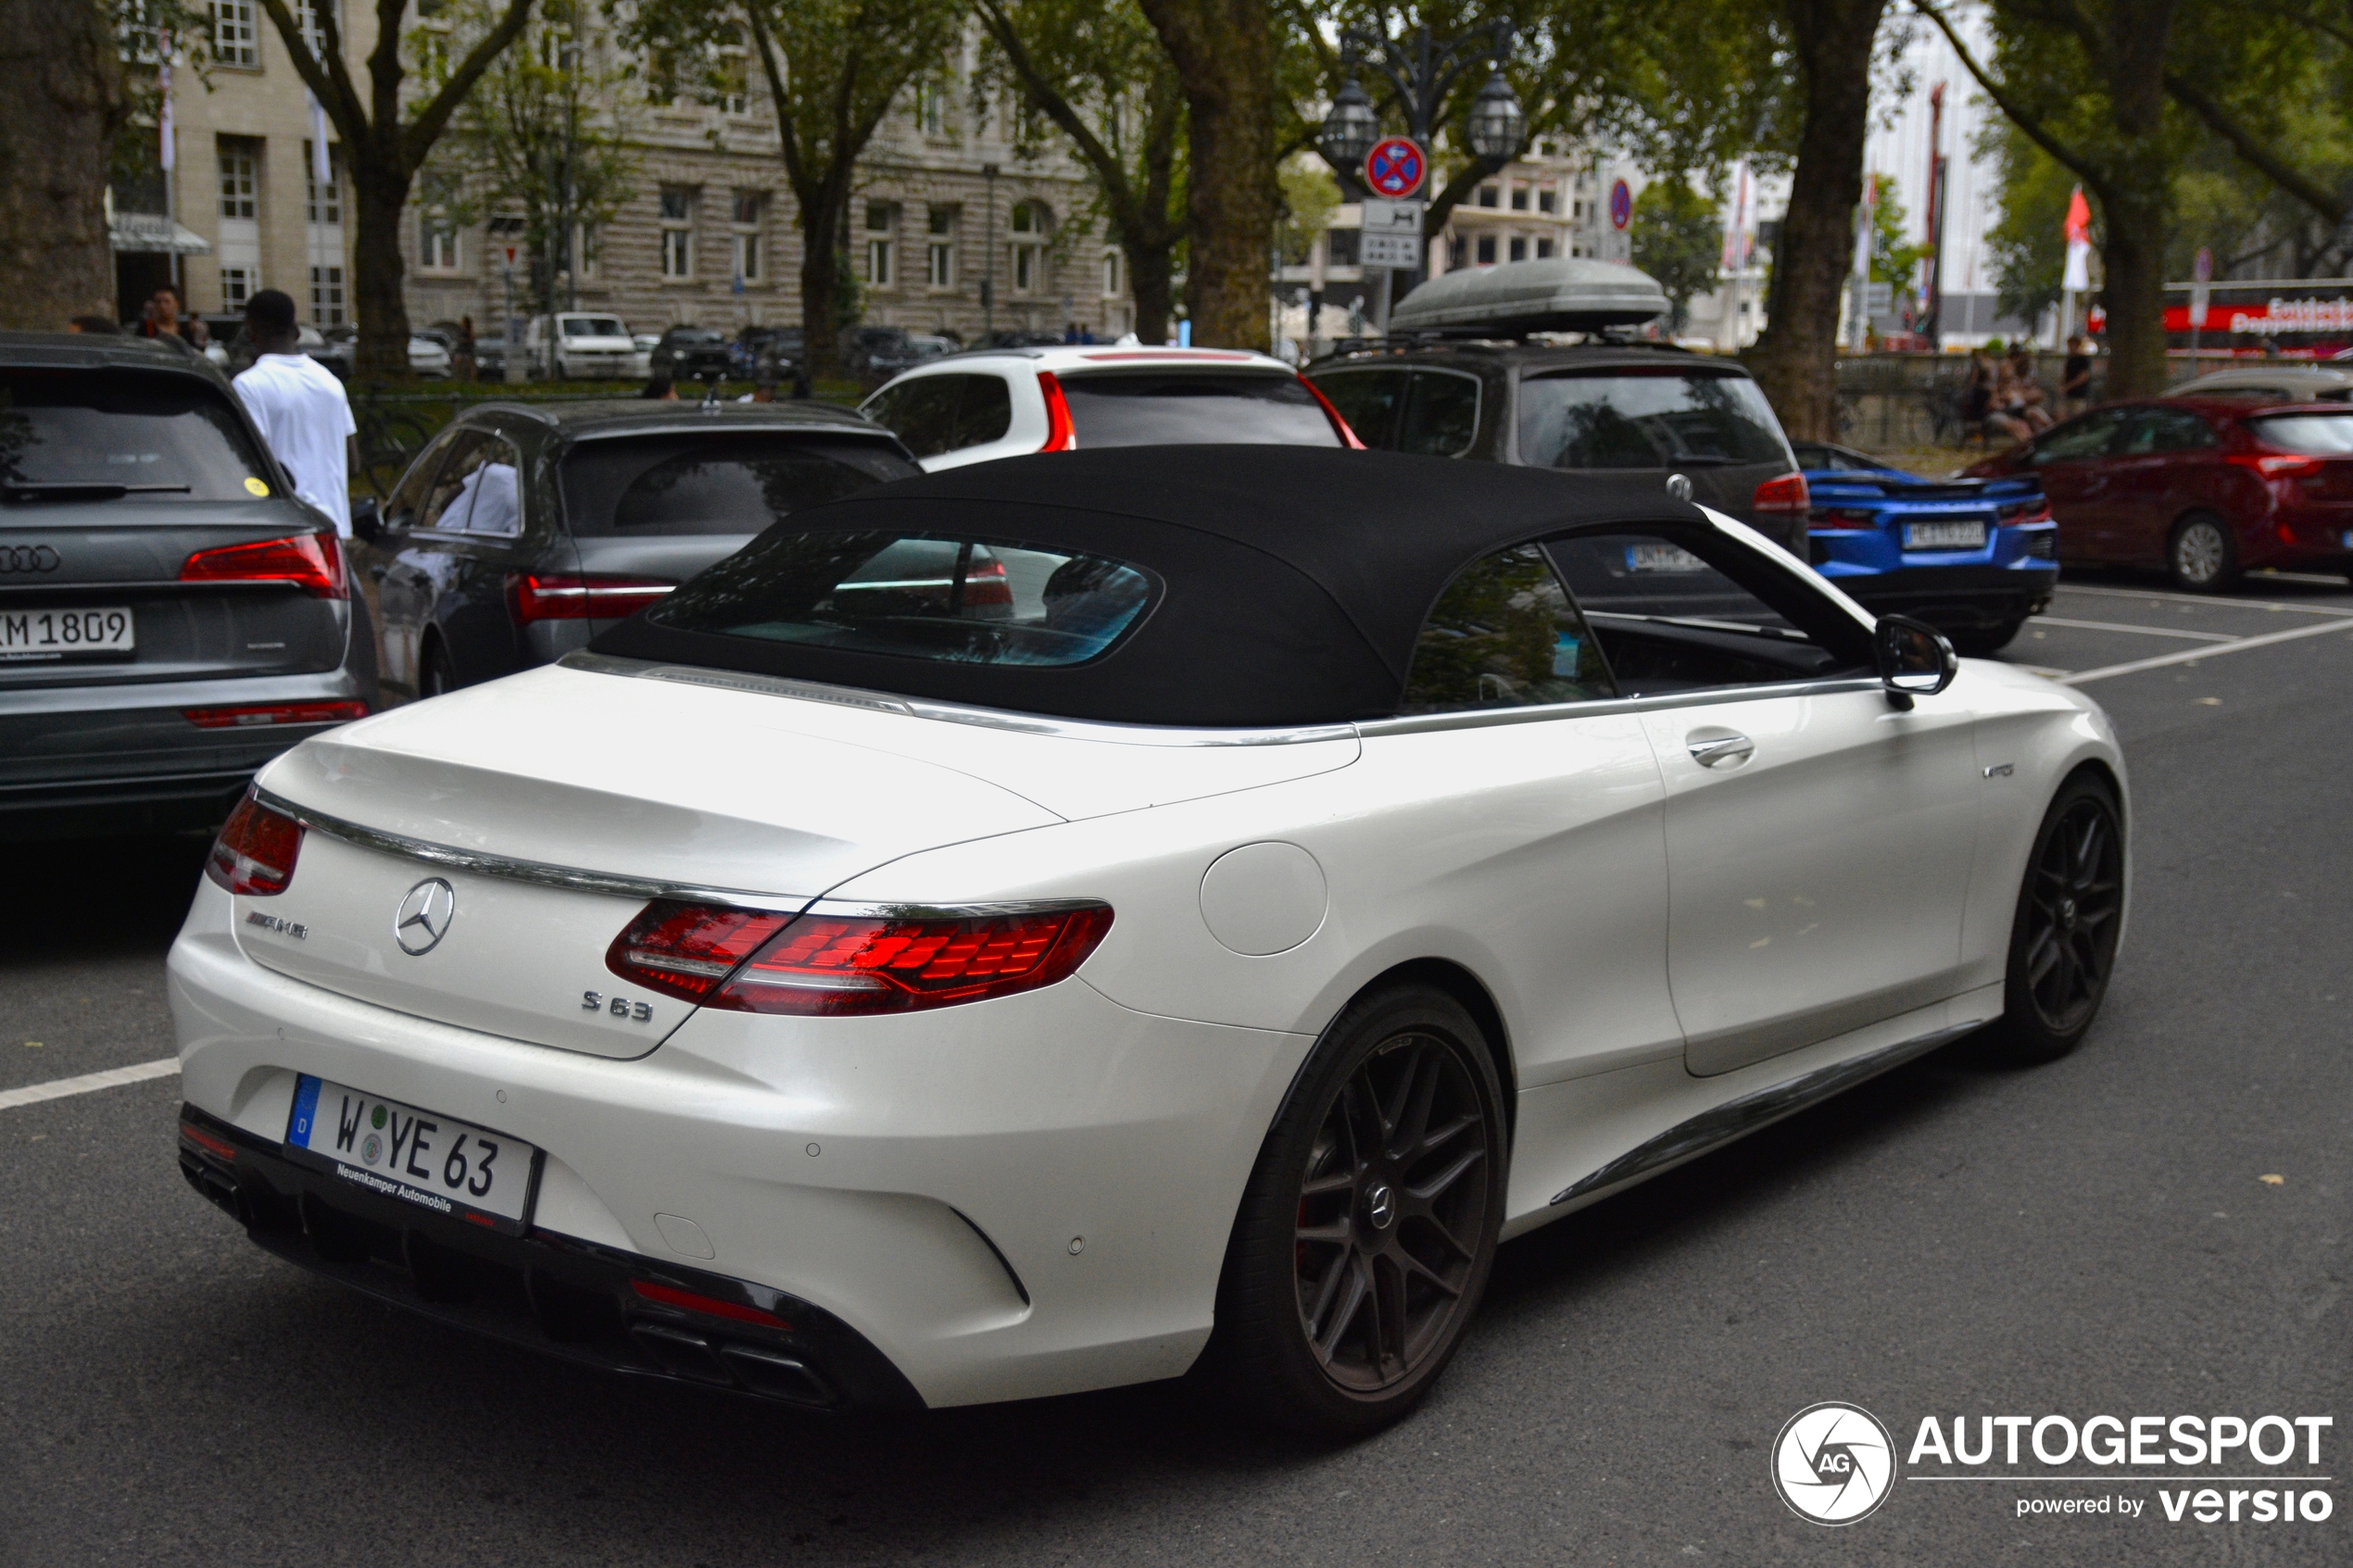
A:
(583, 347)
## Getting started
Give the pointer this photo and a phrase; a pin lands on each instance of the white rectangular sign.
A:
(1393, 234)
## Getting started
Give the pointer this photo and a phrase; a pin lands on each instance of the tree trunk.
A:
(1223, 51)
(1796, 362)
(2139, 200)
(1150, 267)
(2134, 295)
(821, 283)
(64, 102)
(381, 307)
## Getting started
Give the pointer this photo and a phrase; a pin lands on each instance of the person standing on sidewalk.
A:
(301, 408)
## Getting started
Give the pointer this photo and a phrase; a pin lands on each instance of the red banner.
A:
(2272, 317)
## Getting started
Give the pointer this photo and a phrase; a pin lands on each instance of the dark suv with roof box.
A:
(1460, 375)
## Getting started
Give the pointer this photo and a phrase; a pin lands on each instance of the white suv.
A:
(585, 346)
(1002, 402)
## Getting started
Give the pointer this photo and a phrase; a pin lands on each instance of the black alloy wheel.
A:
(1367, 1233)
(2201, 553)
(2069, 915)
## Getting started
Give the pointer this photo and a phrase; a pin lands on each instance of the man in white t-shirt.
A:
(301, 408)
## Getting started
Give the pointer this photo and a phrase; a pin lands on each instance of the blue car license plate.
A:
(1944, 535)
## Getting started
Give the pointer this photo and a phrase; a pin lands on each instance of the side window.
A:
(495, 503)
(451, 493)
(984, 412)
(1369, 400)
(408, 498)
(1671, 622)
(2086, 437)
(2166, 430)
(1503, 634)
(922, 413)
(1441, 414)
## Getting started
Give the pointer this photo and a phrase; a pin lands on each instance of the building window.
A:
(1520, 198)
(744, 256)
(307, 18)
(236, 287)
(731, 79)
(1543, 250)
(677, 231)
(1487, 250)
(747, 207)
(232, 34)
(1028, 247)
(931, 108)
(436, 244)
(1577, 210)
(882, 218)
(326, 297)
(325, 200)
(1548, 200)
(587, 245)
(662, 77)
(1110, 272)
(1458, 254)
(940, 258)
(878, 263)
(238, 182)
(1490, 197)
(1519, 248)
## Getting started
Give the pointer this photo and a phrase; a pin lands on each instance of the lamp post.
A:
(1423, 71)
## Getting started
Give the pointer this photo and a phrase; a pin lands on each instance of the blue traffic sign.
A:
(1394, 167)
(1621, 206)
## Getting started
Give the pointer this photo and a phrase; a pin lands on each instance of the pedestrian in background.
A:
(2020, 395)
(163, 319)
(2075, 377)
(301, 408)
(461, 362)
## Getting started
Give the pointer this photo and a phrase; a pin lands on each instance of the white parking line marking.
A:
(2152, 594)
(2190, 656)
(113, 1077)
(2144, 631)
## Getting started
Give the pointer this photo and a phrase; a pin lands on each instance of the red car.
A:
(2204, 488)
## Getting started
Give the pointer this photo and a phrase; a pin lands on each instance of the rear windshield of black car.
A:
(2316, 435)
(650, 486)
(1641, 418)
(67, 434)
(1187, 408)
(932, 596)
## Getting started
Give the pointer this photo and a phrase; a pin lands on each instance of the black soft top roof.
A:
(1294, 580)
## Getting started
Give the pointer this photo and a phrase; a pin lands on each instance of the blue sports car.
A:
(1973, 557)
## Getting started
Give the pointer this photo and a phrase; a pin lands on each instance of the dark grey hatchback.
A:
(170, 616)
(524, 530)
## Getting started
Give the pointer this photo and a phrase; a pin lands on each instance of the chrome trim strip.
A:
(1737, 1118)
(951, 712)
(538, 873)
(1481, 717)
(846, 908)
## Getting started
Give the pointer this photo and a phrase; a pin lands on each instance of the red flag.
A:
(2079, 219)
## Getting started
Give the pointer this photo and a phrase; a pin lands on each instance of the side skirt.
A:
(1737, 1118)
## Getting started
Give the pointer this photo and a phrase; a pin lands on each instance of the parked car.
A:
(490, 357)
(2274, 382)
(687, 353)
(1973, 557)
(2203, 489)
(641, 362)
(171, 617)
(1074, 920)
(1018, 337)
(877, 353)
(1459, 378)
(988, 404)
(336, 347)
(577, 346)
(520, 532)
(773, 355)
(428, 356)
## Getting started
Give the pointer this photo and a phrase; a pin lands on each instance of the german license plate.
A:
(1662, 558)
(30, 635)
(1944, 535)
(437, 1163)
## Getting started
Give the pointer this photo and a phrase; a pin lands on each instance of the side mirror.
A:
(1914, 658)
(366, 521)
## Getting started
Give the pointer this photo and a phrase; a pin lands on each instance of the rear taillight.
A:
(2276, 465)
(313, 562)
(1783, 494)
(834, 966)
(274, 713)
(1846, 518)
(1347, 436)
(2037, 510)
(255, 854)
(685, 950)
(534, 597)
(1060, 436)
(987, 585)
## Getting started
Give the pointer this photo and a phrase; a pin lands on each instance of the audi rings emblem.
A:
(27, 559)
(424, 916)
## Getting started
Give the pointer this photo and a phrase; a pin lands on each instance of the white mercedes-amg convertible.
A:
(1069, 920)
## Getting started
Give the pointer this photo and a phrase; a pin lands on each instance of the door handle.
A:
(1716, 751)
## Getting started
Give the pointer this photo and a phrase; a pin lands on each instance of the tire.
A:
(436, 672)
(1364, 1239)
(2201, 553)
(2063, 937)
(1983, 641)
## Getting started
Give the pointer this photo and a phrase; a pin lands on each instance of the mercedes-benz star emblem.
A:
(1380, 1207)
(424, 917)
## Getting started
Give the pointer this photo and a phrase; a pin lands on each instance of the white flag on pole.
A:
(163, 117)
(321, 170)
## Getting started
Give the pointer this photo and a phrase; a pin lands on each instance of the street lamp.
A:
(1350, 130)
(1496, 122)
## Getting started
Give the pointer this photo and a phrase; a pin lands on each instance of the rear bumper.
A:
(553, 1294)
(1965, 597)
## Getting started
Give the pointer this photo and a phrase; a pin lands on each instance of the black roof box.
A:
(1558, 294)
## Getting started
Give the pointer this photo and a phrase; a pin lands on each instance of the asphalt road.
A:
(2088, 1237)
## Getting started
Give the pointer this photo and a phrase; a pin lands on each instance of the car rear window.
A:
(1639, 417)
(931, 597)
(165, 437)
(2318, 435)
(655, 486)
(1185, 408)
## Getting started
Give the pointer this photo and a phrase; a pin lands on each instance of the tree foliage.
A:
(1679, 239)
